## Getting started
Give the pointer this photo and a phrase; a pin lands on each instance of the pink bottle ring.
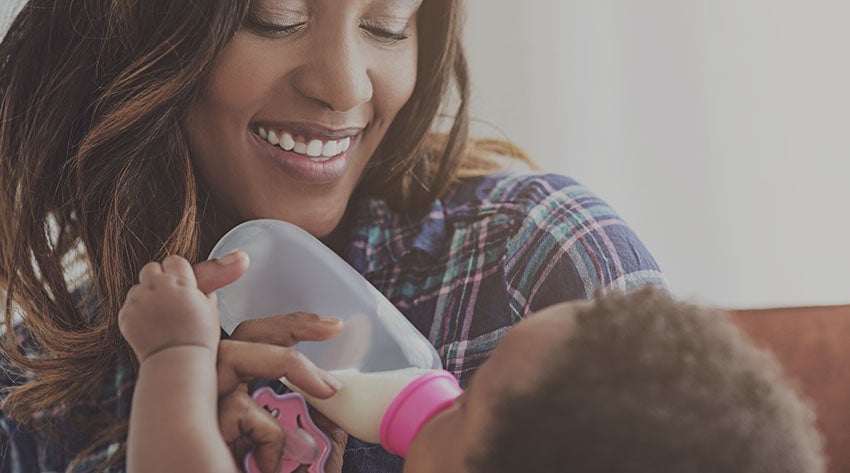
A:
(414, 406)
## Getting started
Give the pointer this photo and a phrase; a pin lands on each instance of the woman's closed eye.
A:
(272, 29)
(275, 21)
(277, 30)
(383, 34)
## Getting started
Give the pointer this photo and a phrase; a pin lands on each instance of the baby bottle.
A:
(392, 377)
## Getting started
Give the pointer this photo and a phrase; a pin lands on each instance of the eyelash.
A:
(384, 36)
(273, 29)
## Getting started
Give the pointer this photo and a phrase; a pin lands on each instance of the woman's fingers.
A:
(212, 275)
(287, 330)
(241, 362)
(338, 438)
(246, 425)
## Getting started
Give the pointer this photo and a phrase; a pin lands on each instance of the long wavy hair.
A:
(96, 169)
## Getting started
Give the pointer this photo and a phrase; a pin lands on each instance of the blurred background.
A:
(718, 129)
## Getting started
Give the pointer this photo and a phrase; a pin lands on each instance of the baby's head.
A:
(628, 383)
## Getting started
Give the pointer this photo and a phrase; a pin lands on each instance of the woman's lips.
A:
(302, 168)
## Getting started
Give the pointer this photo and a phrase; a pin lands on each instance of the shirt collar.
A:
(379, 237)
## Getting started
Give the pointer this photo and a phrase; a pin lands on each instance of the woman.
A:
(134, 130)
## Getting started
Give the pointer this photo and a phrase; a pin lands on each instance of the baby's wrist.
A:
(179, 352)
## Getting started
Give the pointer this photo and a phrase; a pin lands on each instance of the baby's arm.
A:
(173, 328)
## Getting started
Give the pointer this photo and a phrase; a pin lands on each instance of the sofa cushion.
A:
(813, 346)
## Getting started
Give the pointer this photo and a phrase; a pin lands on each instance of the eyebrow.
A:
(404, 5)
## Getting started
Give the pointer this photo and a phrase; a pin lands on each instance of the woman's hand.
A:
(259, 349)
(244, 423)
(338, 437)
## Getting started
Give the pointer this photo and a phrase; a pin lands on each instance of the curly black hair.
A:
(646, 383)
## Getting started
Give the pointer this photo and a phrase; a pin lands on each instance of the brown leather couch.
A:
(813, 345)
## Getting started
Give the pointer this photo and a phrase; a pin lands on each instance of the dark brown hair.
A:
(647, 384)
(95, 165)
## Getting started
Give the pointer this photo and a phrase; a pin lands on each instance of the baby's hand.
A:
(167, 309)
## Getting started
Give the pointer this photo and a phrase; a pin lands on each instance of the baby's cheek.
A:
(439, 447)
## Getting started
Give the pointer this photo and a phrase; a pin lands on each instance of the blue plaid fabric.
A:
(491, 251)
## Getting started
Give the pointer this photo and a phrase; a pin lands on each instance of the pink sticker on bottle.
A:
(305, 443)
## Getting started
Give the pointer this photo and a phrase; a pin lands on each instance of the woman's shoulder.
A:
(518, 193)
(534, 211)
(24, 341)
(53, 436)
(554, 225)
(114, 389)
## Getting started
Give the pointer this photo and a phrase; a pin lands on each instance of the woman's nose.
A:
(337, 77)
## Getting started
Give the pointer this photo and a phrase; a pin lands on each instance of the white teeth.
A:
(314, 149)
(330, 149)
(286, 142)
(273, 139)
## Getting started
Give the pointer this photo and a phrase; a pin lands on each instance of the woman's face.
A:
(296, 105)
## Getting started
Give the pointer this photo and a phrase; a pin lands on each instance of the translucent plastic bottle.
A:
(392, 377)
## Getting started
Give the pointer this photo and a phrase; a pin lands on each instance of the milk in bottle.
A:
(391, 374)
(359, 406)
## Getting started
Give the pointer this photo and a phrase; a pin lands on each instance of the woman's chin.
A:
(318, 227)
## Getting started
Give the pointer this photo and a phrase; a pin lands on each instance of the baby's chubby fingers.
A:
(178, 267)
(149, 272)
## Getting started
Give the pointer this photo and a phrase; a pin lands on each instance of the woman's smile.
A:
(313, 159)
(289, 120)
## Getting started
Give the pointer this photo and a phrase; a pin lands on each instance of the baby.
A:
(632, 383)
(627, 383)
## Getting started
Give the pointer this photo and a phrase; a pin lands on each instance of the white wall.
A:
(717, 128)
(8, 9)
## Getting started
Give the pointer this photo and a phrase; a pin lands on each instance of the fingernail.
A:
(230, 258)
(330, 380)
(300, 446)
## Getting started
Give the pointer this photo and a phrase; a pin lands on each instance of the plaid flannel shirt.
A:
(493, 250)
